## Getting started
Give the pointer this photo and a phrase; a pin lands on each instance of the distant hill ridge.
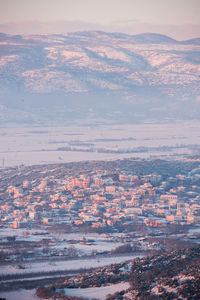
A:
(92, 75)
(147, 37)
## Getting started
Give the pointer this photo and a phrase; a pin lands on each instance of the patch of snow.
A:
(99, 293)
(19, 295)
(67, 265)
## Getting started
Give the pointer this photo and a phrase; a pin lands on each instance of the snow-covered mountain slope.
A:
(112, 75)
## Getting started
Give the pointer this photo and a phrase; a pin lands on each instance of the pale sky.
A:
(179, 19)
(173, 12)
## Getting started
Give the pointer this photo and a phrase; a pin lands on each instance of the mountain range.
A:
(98, 77)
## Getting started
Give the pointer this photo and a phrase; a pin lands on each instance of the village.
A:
(72, 210)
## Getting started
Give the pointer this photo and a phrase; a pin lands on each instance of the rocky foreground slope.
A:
(173, 275)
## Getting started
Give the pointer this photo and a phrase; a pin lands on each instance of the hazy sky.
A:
(102, 11)
(179, 19)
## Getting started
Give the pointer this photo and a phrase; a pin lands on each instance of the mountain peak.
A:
(154, 38)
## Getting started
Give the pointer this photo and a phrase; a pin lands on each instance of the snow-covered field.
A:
(67, 265)
(100, 242)
(99, 293)
(19, 295)
(89, 293)
(39, 145)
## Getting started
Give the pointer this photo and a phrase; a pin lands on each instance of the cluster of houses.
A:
(101, 199)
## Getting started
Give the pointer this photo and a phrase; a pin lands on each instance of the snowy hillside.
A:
(112, 75)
